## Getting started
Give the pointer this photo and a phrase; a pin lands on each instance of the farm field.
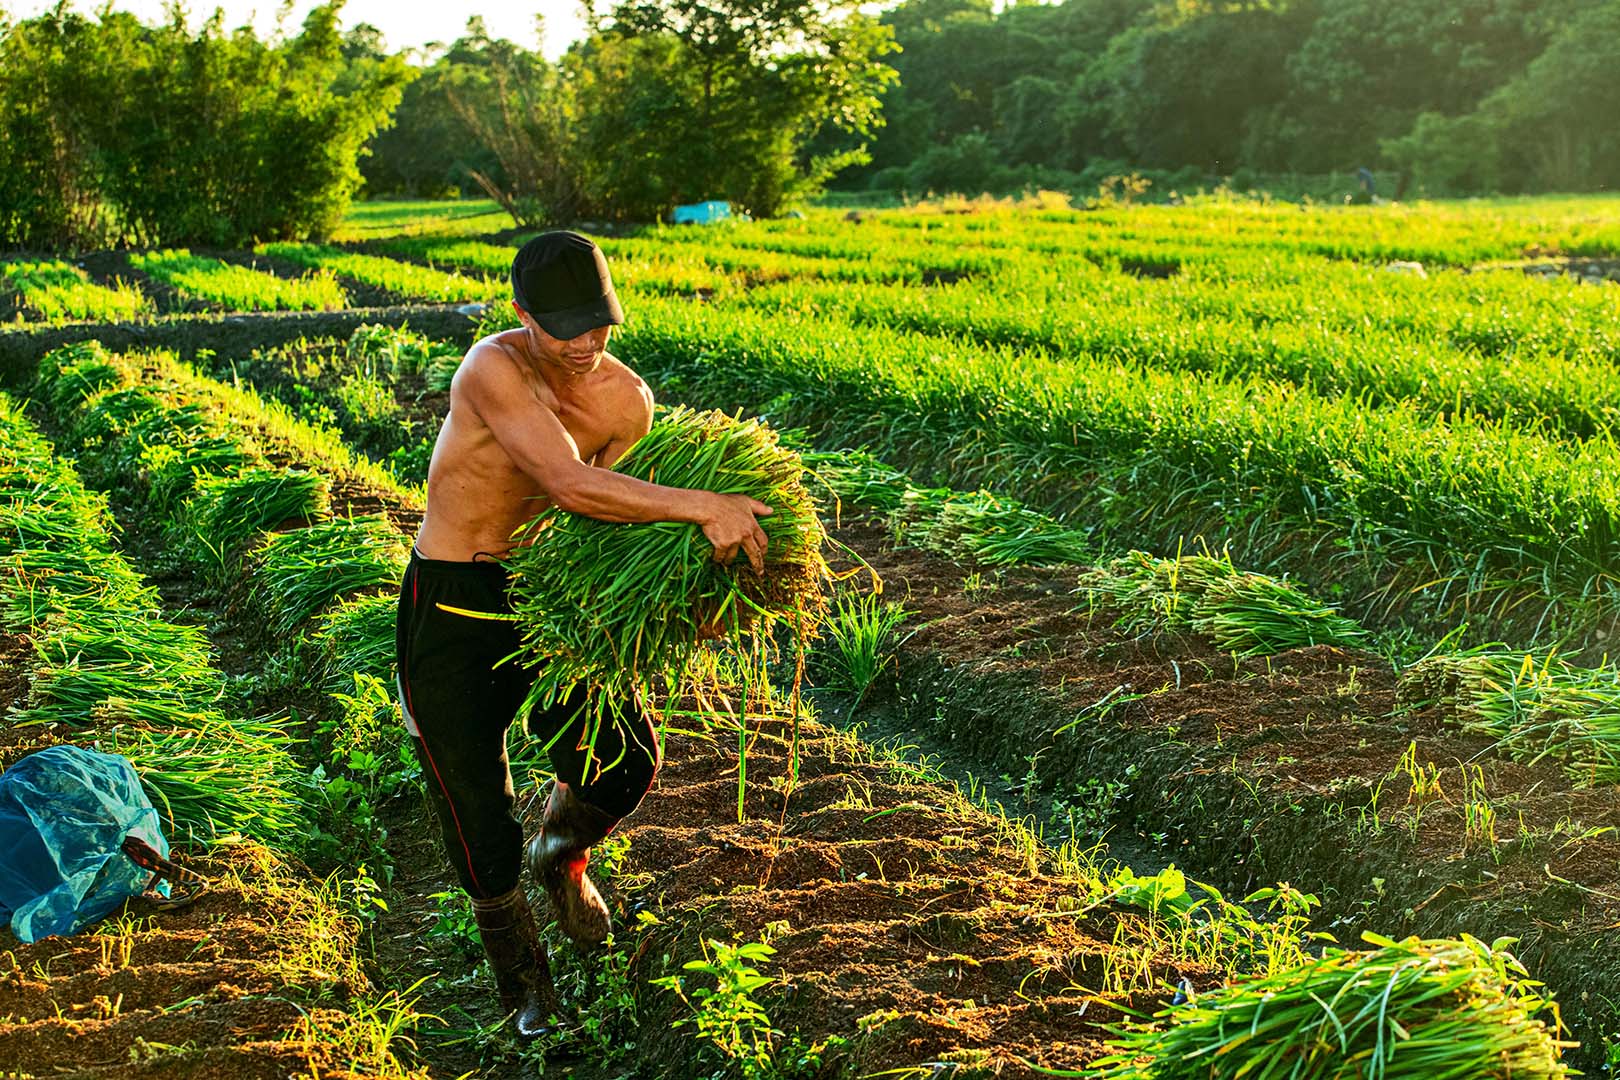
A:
(1248, 575)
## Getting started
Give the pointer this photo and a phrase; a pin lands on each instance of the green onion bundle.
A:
(987, 528)
(1534, 708)
(858, 477)
(1409, 1010)
(89, 655)
(226, 512)
(614, 607)
(1245, 613)
(297, 573)
(356, 637)
(979, 525)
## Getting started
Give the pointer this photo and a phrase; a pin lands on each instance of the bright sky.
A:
(404, 23)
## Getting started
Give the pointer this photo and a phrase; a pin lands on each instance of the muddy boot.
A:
(557, 855)
(522, 974)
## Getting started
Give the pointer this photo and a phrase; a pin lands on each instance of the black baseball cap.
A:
(561, 278)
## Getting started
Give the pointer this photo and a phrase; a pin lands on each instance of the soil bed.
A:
(1244, 773)
(216, 989)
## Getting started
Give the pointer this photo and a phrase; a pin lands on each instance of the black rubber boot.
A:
(557, 856)
(518, 959)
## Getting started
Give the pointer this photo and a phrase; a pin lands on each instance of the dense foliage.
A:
(1457, 95)
(111, 130)
(663, 102)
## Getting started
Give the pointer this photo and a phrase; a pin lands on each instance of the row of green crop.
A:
(651, 265)
(1497, 313)
(1468, 342)
(1116, 320)
(1475, 519)
(111, 669)
(263, 537)
(239, 288)
(403, 279)
(376, 389)
(1455, 234)
(55, 291)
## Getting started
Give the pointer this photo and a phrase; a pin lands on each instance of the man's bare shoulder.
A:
(620, 381)
(488, 360)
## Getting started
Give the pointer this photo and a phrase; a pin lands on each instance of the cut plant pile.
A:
(1297, 767)
(257, 979)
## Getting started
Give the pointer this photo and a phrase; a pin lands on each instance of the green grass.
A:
(405, 280)
(237, 288)
(57, 292)
(858, 642)
(375, 219)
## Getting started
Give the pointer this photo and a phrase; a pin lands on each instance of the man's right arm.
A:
(536, 441)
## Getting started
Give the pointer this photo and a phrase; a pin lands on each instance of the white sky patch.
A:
(408, 24)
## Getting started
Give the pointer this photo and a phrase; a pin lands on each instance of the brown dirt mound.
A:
(213, 990)
(905, 921)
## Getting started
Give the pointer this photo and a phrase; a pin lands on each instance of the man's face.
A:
(576, 356)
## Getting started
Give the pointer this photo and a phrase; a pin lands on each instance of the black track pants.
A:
(458, 700)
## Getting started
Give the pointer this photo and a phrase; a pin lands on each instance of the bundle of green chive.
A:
(1241, 612)
(1408, 1010)
(1536, 706)
(618, 608)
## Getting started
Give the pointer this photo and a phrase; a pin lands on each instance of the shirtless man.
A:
(537, 415)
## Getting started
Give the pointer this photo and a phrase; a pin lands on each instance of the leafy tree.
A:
(1537, 132)
(516, 108)
(1177, 92)
(741, 88)
(1025, 111)
(180, 138)
(1368, 68)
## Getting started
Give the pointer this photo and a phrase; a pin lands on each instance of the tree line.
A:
(1455, 96)
(113, 131)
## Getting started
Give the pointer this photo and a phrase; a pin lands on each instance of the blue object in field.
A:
(64, 814)
(703, 213)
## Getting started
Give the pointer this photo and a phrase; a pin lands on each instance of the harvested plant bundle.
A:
(226, 512)
(987, 528)
(859, 477)
(356, 637)
(208, 774)
(613, 607)
(296, 573)
(1409, 1010)
(983, 526)
(91, 654)
(1533, 707)
(1246, 613)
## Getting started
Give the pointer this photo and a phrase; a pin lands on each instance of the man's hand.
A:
(729, 523)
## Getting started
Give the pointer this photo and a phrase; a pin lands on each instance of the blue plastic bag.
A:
(65, 813)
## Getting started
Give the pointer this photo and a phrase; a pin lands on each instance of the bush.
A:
(113, 131)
